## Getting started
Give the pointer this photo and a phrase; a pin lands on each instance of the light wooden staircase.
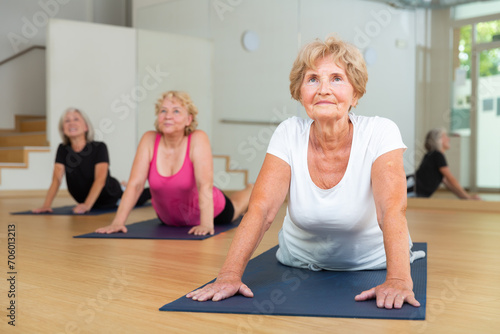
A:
(227, 178)
(28, 136)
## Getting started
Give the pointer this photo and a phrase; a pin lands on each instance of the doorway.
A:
(475, 114)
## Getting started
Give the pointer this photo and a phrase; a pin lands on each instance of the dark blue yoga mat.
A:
(68, 211)
(282, 290)
(155, 229)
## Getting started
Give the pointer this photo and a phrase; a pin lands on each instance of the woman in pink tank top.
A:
(176, 159)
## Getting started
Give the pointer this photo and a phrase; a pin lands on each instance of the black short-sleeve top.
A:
(428, 175)
(80, 171)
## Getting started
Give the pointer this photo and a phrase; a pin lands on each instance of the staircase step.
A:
(12, 154)
(15, 155)
(33, 125)
(29, 135)
(23, 139)
(19, 119)
(12, 165)
(26, 152)
(226, 178)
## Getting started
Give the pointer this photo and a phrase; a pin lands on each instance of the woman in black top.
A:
(85, 163)
(434, 169)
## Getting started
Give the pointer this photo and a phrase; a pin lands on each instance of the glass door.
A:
(475, 107)
(487, 116)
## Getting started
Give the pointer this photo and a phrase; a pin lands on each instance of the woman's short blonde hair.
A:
(89, 135)
(342, 54)
(186, 101)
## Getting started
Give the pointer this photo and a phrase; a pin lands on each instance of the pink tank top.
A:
(175, 197)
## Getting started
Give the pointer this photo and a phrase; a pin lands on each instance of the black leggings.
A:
(226, 216)
(145, 196)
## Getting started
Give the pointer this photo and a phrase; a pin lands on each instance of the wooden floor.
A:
(66, 285)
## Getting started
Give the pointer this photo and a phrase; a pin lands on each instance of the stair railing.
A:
(20, 53)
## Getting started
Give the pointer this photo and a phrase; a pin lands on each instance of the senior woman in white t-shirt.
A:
(346, 180)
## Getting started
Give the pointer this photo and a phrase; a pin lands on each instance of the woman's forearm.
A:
(100, 176)
(246, 240)
(94, 193)
(456, 188)
(396, 243)
(127, 203)
(206, 206)
(51, 193)
(57, 176)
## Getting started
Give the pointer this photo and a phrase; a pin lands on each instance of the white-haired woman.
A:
(85, 163)
(434, 169)
(346, 181)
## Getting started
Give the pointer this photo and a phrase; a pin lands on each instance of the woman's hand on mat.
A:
(225, 286)
(81, 208)
(201, 230)
(392, 293)
(113, 228)
(42, 209)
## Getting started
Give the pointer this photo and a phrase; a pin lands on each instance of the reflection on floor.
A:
(443, 193)
(494, 197)
(446, 200)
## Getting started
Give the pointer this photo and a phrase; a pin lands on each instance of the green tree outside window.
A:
(486, 32)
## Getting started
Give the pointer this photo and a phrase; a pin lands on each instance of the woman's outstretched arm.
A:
(268, 194)
(135, 185)
(57, 176)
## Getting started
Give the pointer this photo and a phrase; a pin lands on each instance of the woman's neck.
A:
(172, 141)
(78, 143)
(331, 136)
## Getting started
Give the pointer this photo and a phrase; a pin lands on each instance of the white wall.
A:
(96, 74)
(178, 63)
(476, 9)
(23, 23)
(390, 33)
(433, 77)
(21, 93)
(38, 175)
(185, 17)
(112, 12)
(254, 85)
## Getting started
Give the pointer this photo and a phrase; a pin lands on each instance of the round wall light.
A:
(370, 56)
(250, 40)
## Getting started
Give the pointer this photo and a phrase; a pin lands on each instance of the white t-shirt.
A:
(333, 229)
